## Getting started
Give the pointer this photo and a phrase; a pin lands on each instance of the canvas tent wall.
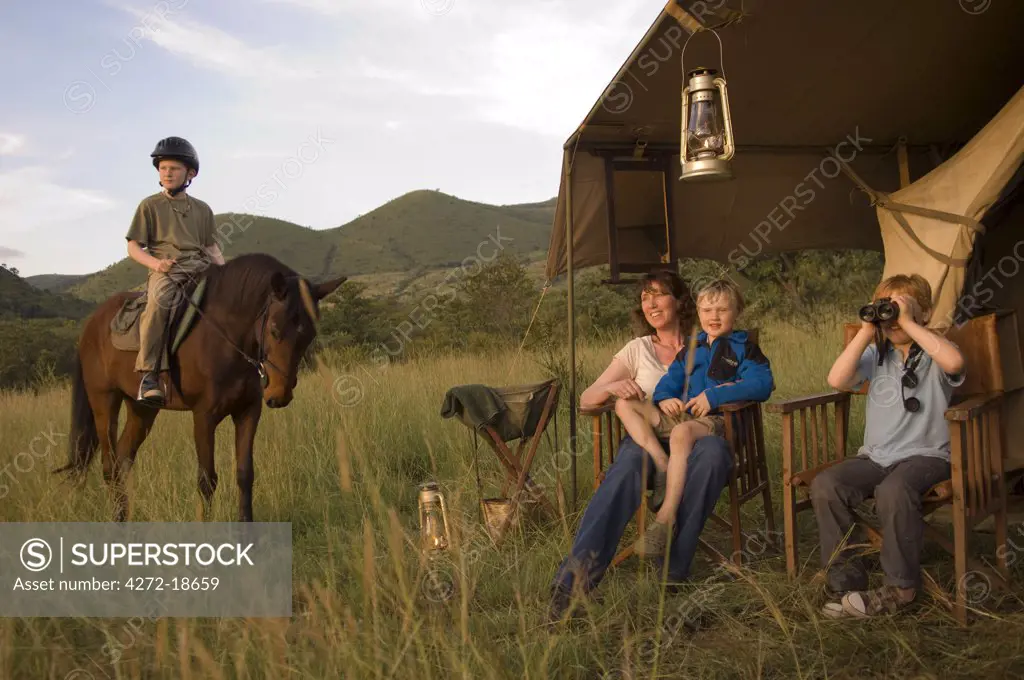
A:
(807, 81)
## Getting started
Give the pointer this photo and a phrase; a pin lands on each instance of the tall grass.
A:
(346, 478)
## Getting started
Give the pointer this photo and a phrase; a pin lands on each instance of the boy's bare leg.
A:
(655, 540)
(637, 417)
(684, 436)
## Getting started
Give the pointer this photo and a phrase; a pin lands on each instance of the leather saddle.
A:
(126, 324)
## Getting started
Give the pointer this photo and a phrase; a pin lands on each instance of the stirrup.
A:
(154, 399)
(155, 402)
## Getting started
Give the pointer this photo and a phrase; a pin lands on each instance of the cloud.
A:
(10, 143)
(325, 7)
(543, 69)
(30, 199)
(333, 8)
(536, 65)
(10, 253)
(211, 48)
(54, 227)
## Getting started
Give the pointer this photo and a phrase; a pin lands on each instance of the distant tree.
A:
(495, 302)
(33, 352)
(796, 286)
(349, 317)
(14, 270)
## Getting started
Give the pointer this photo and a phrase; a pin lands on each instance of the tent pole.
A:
(613, 232)
(901, 155)
(570, 280)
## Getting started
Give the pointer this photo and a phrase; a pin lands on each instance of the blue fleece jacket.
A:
(734, 358)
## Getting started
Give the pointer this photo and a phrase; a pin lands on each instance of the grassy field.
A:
(346, 477)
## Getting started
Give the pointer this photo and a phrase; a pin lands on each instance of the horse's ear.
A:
(307, 300)
(324, 289)
(279, 286)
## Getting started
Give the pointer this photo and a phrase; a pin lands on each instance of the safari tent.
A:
(893, 126)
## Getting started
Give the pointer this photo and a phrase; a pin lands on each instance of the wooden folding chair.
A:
(744, 430)
(528, 409)
(977, 488)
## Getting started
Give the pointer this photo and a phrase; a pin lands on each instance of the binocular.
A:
(880, 310)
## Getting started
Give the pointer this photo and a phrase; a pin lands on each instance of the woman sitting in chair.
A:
(665, 313)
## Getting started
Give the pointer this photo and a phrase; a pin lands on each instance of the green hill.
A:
(429, 229)
(19, 299)
(55, 283)
(409, 235)
(543, 211)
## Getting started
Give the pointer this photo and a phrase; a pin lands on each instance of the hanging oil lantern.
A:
(706, 144)
(434, 529)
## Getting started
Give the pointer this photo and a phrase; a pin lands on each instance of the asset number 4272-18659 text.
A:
(176, 583)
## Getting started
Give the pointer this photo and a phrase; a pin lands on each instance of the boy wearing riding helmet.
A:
(172, 236)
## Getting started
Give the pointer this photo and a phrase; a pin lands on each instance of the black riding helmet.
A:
(179, 149)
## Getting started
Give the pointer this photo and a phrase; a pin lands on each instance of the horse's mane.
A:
(245, 282)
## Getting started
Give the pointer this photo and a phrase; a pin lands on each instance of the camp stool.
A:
(528, 409)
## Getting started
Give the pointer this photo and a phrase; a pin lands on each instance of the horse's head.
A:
(288, 330)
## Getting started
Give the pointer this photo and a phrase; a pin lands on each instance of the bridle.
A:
(261, 349)
(260, 363)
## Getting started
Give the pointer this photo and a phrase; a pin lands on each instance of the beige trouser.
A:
(666, 423)
(163, 295)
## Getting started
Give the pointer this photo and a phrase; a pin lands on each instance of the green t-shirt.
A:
(169, 227)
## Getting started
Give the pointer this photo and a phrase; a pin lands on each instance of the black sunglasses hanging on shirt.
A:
(909, 380)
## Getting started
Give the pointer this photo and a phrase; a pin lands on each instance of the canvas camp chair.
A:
(977, 487)
(501, 415)
(748, 480)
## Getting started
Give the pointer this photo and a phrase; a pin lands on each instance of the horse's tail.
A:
(83, 440)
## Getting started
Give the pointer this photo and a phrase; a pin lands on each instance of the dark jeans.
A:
(618, 498)
(897, 490)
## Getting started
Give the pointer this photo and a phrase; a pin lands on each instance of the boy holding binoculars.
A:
(906, 446)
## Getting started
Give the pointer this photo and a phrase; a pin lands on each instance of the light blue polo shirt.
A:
(891, 432)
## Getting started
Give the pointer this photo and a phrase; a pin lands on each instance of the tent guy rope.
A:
(881, 199)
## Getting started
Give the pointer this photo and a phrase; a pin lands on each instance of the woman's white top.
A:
(642, 361)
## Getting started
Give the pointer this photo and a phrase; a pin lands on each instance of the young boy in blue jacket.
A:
(726, 366)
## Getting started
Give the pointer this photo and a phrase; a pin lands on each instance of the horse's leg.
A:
(137, 426)
(105, 407)
(246, 421)
(205, 429)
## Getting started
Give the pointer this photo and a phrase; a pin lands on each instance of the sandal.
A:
(867, 603)
(833, 610)
(833, 607)
(653, 542)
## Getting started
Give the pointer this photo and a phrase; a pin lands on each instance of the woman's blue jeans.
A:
(618, 497)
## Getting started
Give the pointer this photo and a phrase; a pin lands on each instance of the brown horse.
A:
(256, 320)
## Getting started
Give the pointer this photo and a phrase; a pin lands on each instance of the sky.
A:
(337, 106)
